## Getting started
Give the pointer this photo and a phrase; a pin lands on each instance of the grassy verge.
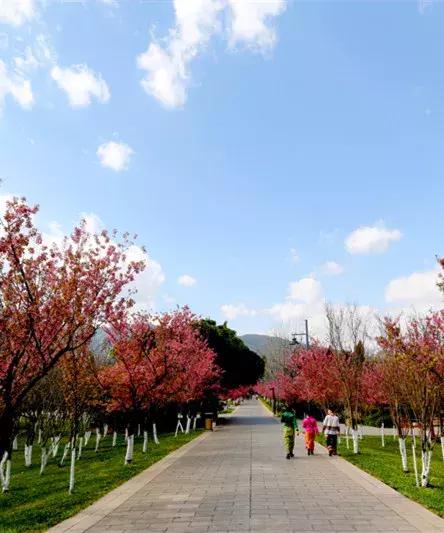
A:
(37, 502)
(385, 464)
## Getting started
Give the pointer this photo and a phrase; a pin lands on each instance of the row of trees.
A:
(399, 371)
(56, 300)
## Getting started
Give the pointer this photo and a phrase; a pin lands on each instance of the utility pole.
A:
(305, 334)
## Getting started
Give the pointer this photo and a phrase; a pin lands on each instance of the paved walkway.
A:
(237, 479)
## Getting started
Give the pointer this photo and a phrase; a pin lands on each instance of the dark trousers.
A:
(332, 444)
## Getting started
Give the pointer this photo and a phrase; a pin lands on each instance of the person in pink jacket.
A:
(310, 427)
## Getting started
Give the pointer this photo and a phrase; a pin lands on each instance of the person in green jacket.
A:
(289, 429)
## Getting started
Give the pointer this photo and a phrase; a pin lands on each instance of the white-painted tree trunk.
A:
(415, 464)
(129, 449)
(87, 437)
(188, 426)
(72, 468)
(65, 453)
(426, 457)
(194, 423)
(55, 445)
(5, 472)
(114, 439)
(126, 434)
(43, 459)
(39, 439)
(79, 453)
(360, 433)
(179, 426)
(355, 438)
(394, 433)
(105, 430)
(156, 440)
(98, 436)
(382, 435)
(138, 430)
(15, 444)
(347, 437)
(145, 442)
(28, 455)
(403, 452)
(442, 447)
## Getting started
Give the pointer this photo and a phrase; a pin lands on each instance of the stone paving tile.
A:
(239, 480)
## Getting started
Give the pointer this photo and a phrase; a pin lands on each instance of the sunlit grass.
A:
(36, 502)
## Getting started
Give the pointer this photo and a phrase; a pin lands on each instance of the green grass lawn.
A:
(36, 502)
(385, 464)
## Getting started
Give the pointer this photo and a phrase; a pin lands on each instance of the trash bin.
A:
(209, 421)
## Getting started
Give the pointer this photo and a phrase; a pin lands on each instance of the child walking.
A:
(310, 427)
(289, 428)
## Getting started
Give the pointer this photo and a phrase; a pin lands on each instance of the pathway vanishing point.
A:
(237, 479)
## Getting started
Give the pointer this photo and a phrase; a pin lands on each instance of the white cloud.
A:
(371, 239)
(233, 311)
(16, 86)
(251, 23)
(167, 66)
(114, 155)
(307, 290)
(148, 282)
(167, 62)
(417, 289)
(294, 255)
(331, 268)
(186, 280)
(17, 12)
(81, 84)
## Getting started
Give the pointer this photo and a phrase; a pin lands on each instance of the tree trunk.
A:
(403, 452)
(97, 440)
(114, 438)
(145, 441)
(355, 437)
(188, 426)
(156, 440)
(426, 456)
(72, 467)
(129, 448)
(382, 435)
(28, 455)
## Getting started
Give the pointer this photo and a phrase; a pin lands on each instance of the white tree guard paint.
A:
(55, 445)
(355, 438)
(79, 453)
(65, 453)
(114, 439)
(188, 426)
(39, 439)
(382, 435)
(145, 442)
(126, 434)
(72, 469)
(98, 436)
(105, 430)
(15, 444)
(426, 457)
(28, 455)
(195, 422)
(394, 433)
(415, 464)
(138, 430)
(403, 452)
(87, 437)
(442, 447)
(179, 425)
(129, 449)
(156, 440)
(43, 459)
(347, 437)
(4, 472)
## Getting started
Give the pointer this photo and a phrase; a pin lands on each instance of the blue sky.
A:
(270, 155)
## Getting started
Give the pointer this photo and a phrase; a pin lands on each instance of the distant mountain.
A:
(264, 344)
